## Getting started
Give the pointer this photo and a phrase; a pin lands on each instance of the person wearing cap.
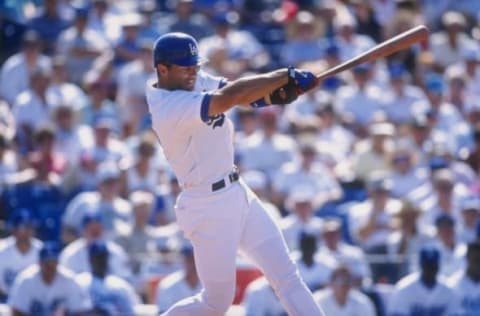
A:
(447, 46)
(47, 288)
(180, 284)
(400, 95)
(75, 255)
(371, 221)
(470, 213)
(30, 108)
(110, 294)
(350, 43)
(314, 270)
(61, 91)
(267, 149)
(302, 217)
(468, 66)
(360, 101)
(81, 44)
(333, 246)
(406, 174)
(307, 172)
(131, 88)
(372, 154)
(466, 282)
(447, 244)
(127, 49)
(341, 298)
(16, 71)
(49, 24)
(105, 199)
(187, 20)
(18, 251)
(424, 292)
(243, 49)
(302, 44)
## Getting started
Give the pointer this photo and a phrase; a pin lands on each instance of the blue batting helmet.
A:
(176, 48)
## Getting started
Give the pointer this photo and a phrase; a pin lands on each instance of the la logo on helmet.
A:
(193, 49)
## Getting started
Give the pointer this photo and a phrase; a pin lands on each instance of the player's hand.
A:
(284, 95)
(304, 80)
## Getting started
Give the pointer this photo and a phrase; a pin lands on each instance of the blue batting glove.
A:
(303, 79)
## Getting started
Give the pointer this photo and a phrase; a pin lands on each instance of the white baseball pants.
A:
(221, 223)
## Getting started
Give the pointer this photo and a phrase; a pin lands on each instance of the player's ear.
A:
(162, 70)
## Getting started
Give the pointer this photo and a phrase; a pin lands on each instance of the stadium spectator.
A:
(424, 292)
(302, 218)
(17, 69)
(110, 295)
(341, 298)
(18, 251)
(75, 255)
(179, 285)
(49, 24)
(116, 212)
(48, 288)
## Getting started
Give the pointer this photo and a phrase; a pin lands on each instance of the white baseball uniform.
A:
(12, 261)
(357, 304)
(411, 298)
(172, 289)
(468, 293)
(75, 258)
(218, 222)
(110, 294)
(32, 296)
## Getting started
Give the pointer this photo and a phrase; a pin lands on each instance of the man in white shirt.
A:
(341, 299)
(75, 255)
(218, 213)
(181, 284)
(466, 283)
(18, 251)
(48, 289)
(16, 71)
(424, 293)
(110, 294)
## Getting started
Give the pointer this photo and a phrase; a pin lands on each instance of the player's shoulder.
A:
(407, 282)
(65, 273)
(456, 279)
(171, 280)
(73, 248)
(29, 274)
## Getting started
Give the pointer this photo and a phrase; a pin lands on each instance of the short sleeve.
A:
(78, 298)
(19, 296)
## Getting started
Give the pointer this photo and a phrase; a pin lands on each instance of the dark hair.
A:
(473, 247)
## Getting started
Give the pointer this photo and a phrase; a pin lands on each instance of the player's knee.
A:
(220, 297)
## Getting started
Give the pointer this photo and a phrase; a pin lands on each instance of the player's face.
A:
(180, 77)
(48, 269)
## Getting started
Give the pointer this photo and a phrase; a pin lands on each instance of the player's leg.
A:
(263, 243)
(214, 230)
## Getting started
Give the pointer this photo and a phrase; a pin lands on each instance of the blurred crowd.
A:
(374, 177)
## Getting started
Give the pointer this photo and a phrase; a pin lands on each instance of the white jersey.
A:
(32, 296)
(468, 293)
(357, 304)
(75, 258)
(12, 261)
(260, 300)
(200, 151)
(172, 289)
(111, 294)
(412, 298)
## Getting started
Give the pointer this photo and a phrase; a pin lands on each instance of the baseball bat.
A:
(388, 47)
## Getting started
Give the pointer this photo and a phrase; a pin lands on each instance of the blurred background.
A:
(363, 174)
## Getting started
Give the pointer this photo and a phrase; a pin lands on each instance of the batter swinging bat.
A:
(399, 42)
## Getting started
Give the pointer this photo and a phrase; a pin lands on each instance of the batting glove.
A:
(304, 80)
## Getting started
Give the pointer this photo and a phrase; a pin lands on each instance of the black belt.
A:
(232, 177)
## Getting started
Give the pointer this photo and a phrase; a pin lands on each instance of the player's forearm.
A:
(246, 90)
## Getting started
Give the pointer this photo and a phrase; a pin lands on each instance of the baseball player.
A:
(18, 251)
(48, 289)
(466, 283)
(216, 210)
(424, 293)
(110, 295)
